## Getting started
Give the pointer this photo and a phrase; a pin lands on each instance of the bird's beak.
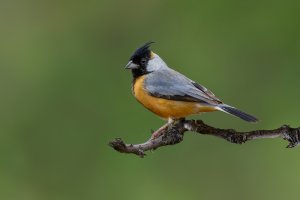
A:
(131, 65)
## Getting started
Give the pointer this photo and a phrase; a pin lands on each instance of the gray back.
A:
(170, 84)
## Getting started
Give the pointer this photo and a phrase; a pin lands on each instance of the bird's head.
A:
(140, 57)
(143, 61)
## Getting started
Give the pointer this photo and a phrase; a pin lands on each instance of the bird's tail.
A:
(234, 111)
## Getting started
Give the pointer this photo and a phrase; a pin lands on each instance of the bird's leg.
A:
(161, 130)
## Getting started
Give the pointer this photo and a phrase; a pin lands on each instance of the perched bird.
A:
(168, 93)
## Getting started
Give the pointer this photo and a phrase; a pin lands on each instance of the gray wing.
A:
(169, 84)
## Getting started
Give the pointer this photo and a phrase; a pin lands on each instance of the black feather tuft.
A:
(142, 52)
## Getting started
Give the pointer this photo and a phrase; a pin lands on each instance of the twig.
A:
(174, 134)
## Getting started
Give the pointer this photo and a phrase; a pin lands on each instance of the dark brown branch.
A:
(173, 134)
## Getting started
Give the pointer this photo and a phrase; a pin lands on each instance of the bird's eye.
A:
(143, 61)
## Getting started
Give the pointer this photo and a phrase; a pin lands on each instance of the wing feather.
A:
(170, 84)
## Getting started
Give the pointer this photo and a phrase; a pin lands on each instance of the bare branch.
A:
(173, 134)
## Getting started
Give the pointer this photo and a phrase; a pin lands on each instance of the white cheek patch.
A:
(156, 63)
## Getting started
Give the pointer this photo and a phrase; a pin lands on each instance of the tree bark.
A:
(173, 134)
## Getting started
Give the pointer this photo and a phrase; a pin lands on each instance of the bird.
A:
(168, 93)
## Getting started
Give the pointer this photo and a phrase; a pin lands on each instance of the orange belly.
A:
(167, 108)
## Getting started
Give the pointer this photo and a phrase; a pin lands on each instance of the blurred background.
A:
(65, 95)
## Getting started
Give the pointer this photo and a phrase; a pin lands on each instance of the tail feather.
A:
(234, 111)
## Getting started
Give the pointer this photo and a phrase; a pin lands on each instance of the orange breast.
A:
(166, 108)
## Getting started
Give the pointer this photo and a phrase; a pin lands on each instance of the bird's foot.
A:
(164, 129)
(159, 132)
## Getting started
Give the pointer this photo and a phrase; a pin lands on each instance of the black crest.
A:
(142, 52)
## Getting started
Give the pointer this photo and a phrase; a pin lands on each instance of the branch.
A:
(173, 134)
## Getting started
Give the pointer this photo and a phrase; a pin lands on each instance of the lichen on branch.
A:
(174, 133)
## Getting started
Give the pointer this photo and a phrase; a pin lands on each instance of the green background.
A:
(65, 95)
